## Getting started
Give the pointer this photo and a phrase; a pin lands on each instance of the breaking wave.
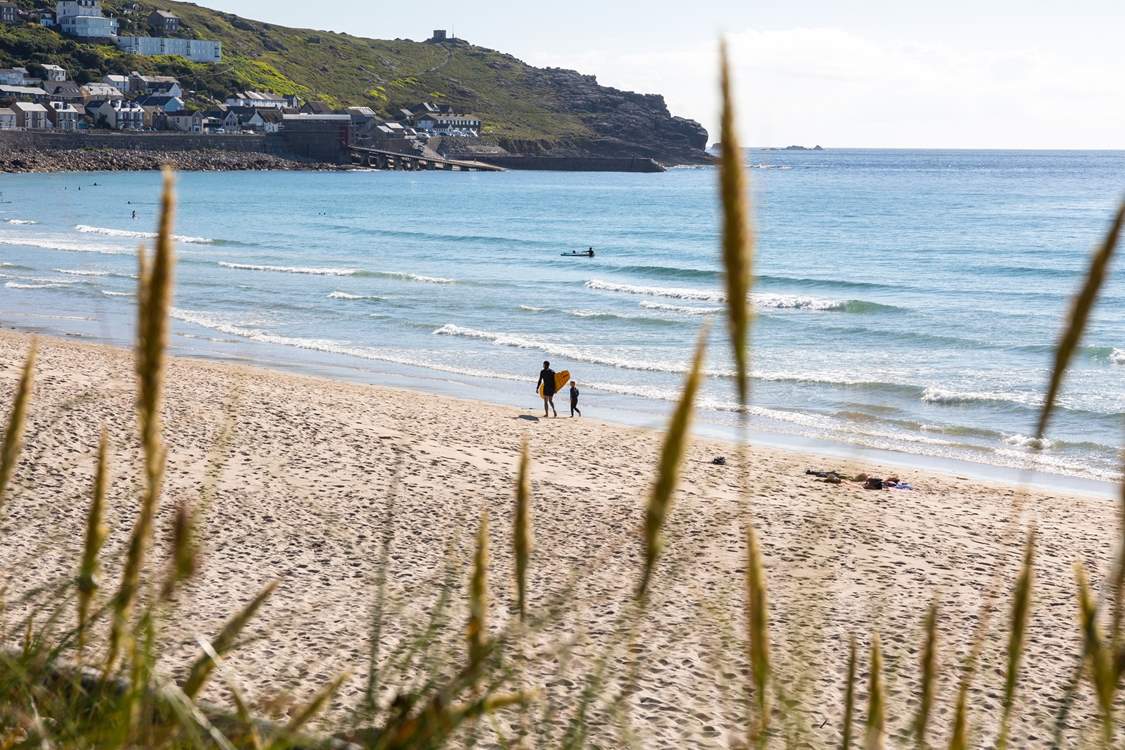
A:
(21, 221)
(1117, 356)
(66, 246)
(681, 308)
(131, 234)
(763, 301)
(79, 272)
(349, 296)
(314, 271)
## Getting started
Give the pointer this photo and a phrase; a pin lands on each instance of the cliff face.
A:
(622, 123)
(525, 109)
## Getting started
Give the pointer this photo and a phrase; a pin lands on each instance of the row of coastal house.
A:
(136, 102)
(85, 19)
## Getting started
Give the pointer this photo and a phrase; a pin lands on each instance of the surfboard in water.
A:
(561, 379)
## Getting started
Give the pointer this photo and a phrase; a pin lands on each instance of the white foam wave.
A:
(770, 301)
(80, 272)
(109, 293)
(533, 308)
(683, 309)
(348, 296)
(568, 352)
(131, 234)
(934, 395)
(66, 246)
(414, 277)
(656, 291)
(45, 285)
(22, 221)
(1117, 356)
(315, 271)
(1026, 441)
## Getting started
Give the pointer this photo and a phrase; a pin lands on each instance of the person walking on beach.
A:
(547, 380)
(574, 399)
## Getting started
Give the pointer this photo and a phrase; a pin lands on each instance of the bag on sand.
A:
(873, 483)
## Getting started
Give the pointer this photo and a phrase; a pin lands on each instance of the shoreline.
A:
(307, 481)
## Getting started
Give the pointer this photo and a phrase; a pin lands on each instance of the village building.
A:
(55, 73)
(196, 50)
(95, 91)
(450, 125)
(63, 116)
(117, 114)
(7, 118)
(259, 99)
(64, 91)
(162, 102)
(44, 17)
(140, 85)
(119, 82)
(30, 116)
(9, 13)
(84, 19)
(184, 121)
(14, 77)
(163, 23)
(22, 94)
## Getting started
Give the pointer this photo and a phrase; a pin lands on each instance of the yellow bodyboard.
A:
(561, 379)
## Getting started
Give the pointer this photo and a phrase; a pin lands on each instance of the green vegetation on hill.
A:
(533, 109)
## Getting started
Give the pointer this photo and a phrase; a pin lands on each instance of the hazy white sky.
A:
(891, 73)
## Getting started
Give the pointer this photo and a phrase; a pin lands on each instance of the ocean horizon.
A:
(907, 301)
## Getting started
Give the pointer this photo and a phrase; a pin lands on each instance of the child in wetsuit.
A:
(574, 399)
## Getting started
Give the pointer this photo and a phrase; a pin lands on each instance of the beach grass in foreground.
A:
(85, 662)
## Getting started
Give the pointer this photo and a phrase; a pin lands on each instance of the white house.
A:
(55, 73)
(121, 83)
(117, 114)
(63, 116)
(95, 91)
(23, 93)
(84, 18)
(7, 119)
(31, 116)
(13, 77)
(449, 124)
(196, 50)
(259, 99)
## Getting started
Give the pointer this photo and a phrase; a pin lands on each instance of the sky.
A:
(901, 74)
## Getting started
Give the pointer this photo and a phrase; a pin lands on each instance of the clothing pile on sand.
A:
(868, 482)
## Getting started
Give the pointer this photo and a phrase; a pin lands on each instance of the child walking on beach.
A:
(574, 399)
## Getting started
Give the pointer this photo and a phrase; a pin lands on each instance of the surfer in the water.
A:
(547, 380)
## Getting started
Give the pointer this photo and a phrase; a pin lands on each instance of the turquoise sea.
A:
(906, 301)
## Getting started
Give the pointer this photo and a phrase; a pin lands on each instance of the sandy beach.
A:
(296, 474)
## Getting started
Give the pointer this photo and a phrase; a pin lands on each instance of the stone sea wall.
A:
(45, 151)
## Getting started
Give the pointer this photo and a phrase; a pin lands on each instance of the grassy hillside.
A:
(518, 103)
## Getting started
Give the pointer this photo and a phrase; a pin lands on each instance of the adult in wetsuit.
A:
(547, 380)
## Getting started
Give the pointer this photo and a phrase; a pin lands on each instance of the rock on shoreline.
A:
(126, 160)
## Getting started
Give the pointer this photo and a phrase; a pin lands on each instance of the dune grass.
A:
(61, 687)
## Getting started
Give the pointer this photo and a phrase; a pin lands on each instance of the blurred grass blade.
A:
(757, 622)
(522, 538)
(1078, 317)
(95, 538)
(13, 436)
(849, 697)
(309, 711)
(737, 239)
(668, 470)
(154, 296)
(478, 597)
(929, 677)
(183, 564)
(1103, 671)
(223, 642)
(1117, 638)
(1017, 631)
(875, 734)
